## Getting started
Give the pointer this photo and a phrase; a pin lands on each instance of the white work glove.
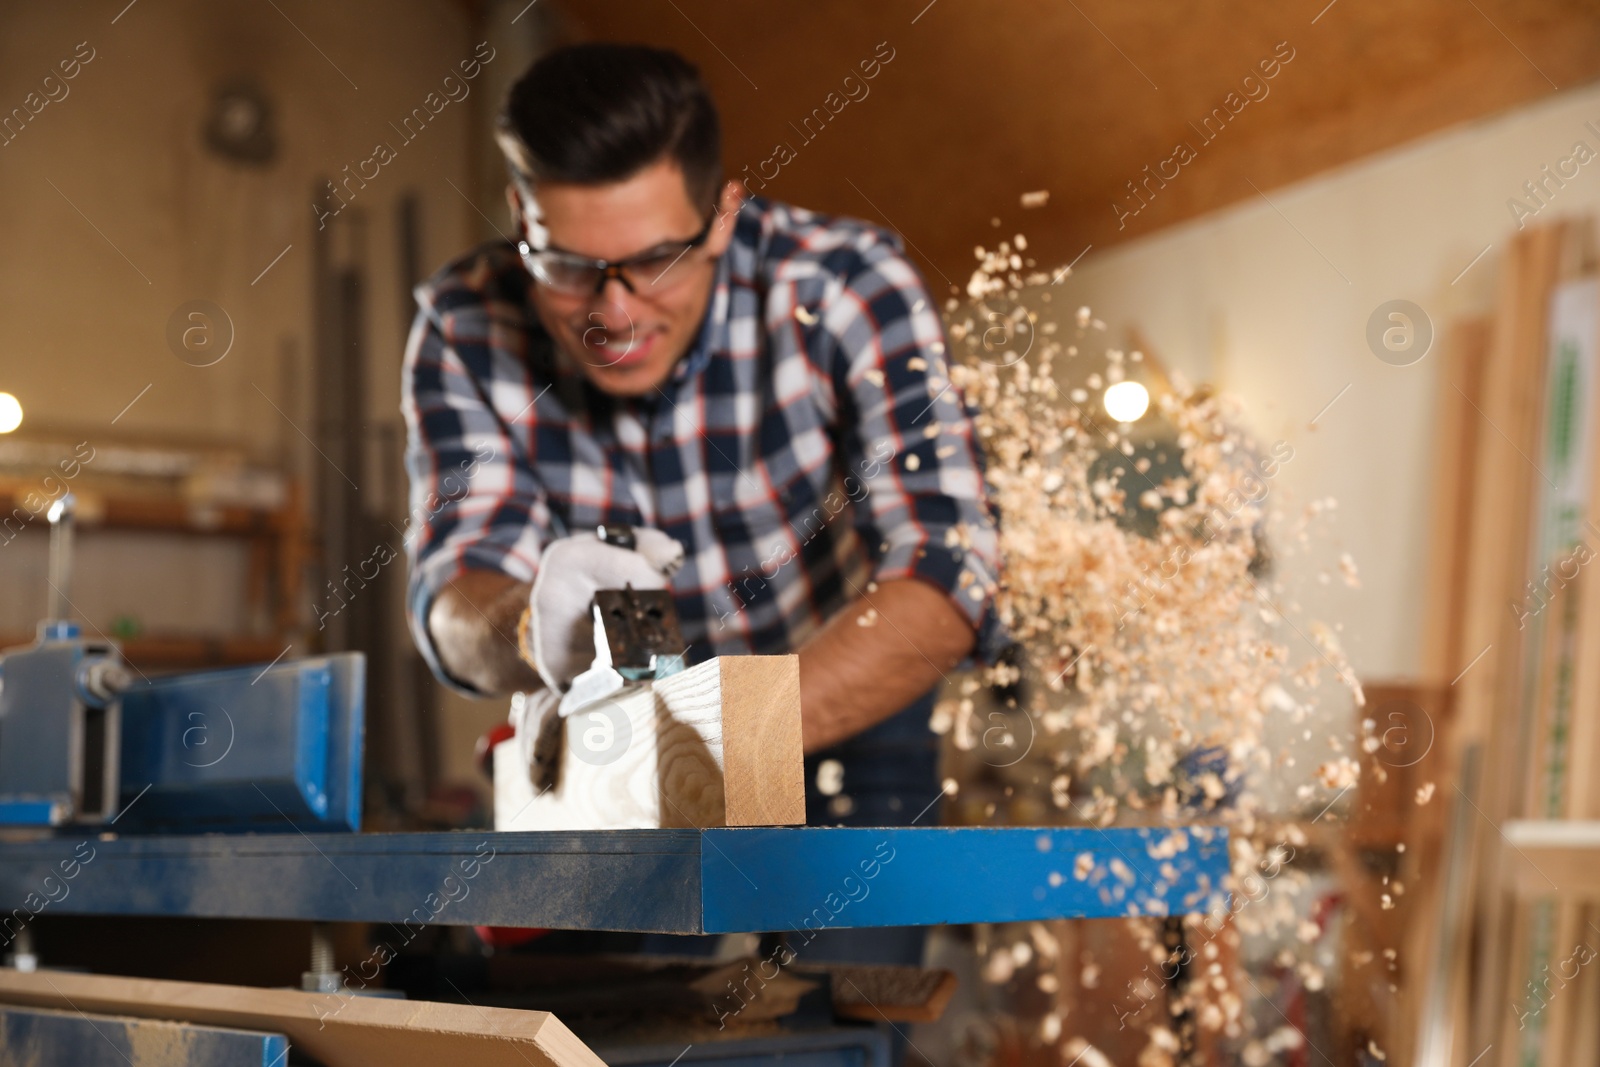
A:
(571, 570)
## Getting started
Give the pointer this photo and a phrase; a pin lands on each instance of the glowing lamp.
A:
(10, 413)
(1126, 401)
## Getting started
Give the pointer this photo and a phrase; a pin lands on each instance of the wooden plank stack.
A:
(1515, 635)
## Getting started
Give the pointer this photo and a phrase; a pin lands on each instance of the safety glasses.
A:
(575, 275)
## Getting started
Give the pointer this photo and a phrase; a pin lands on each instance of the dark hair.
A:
(597, 113)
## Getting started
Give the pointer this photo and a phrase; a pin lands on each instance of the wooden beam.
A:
(1457, 436)
(716, 745)
(341, 1030)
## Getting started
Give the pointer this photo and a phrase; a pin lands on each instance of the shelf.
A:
(1552, 858)
(166, 652)
(164, 515)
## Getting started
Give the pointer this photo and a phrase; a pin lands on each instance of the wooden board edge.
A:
(338, 1028)
(763, 756)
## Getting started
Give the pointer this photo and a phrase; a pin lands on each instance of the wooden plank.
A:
(1457, 435)
(896, 994)
(1491, 693)
(715, 745)
(349, 1031)
(1442, 1026)
(685, 988)
(763, 758)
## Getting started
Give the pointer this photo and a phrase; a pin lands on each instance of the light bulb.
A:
(1126, 401)
(10, 413)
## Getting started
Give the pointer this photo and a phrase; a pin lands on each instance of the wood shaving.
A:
(1141, 557)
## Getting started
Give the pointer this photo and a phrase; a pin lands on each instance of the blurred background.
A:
(206, 311)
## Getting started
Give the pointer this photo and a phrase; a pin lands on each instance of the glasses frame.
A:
(610, 268)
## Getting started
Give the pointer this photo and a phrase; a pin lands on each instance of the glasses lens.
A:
(660, 270)
(562, 273)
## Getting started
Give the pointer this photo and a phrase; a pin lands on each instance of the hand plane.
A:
(636, 641)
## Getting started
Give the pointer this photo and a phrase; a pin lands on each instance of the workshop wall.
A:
(156, 218)
(116, 211)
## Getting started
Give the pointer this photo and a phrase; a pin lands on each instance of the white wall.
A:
(1278, 317)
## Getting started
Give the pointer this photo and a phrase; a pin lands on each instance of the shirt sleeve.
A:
(907, 434)
(473, 505)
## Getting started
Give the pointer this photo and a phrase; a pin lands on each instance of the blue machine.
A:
(84, 741)
(59, 731)
(39, 1035)
(245, 749)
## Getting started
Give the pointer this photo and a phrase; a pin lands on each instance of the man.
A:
(760, 392)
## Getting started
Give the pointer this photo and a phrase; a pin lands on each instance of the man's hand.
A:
(875, 657)
(474, 620)
(571, 571)
(474, 626)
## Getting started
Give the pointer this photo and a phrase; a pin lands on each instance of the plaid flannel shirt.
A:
(808, 443)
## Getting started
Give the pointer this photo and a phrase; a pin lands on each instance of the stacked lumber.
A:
(1515, 633)
(1540, 1024)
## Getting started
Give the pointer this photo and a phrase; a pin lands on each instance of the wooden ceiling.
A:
(985, 100)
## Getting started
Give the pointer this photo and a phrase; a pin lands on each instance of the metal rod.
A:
(323, 977)
(61, 517)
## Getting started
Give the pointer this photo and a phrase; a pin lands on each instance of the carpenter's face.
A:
(627, 334)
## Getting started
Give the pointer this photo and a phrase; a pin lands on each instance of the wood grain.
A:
(716, 745)
(764, 771)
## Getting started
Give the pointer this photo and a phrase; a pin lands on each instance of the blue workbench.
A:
(667, 881)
